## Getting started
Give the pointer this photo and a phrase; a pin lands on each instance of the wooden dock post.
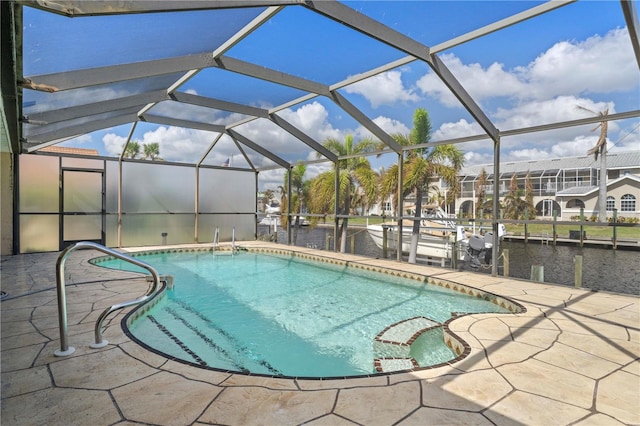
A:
(577, 260)
(384, 242)
(537, 273)
(555, 230)
(327, 241)
(615, 233)
(505, 256)
(581, 226)
(353, 244)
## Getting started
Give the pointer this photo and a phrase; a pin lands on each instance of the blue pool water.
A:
(285, 316)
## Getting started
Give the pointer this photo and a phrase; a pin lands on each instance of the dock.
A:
(595, 242)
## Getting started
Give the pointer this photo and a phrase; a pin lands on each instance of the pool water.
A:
(285, 316)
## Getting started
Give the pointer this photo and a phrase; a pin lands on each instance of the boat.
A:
(437, 238)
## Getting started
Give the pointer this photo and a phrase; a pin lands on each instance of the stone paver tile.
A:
(16, 328)
(618, 351)
(194, 373)
(521, 321)
(633, 368)
(437, 416)
(20, 340)
(164, 399)
(14, 315)
(363, 405)
(598, 420)
(629, 316)
(25, 381)
(552, 382)
(61, 407)
(476, 360)
(570, 322)
(578, 361)
(260, 406)
(51, 310)
(541, 338)
(19, 358)
(82, 334)
(469, 392)
(349, 383)
(330, 420)
(138, 352)
(525, 409)
(96, 370)
(491, 329)
(619, 396)
(26, 302)
(500, 353)
(267, 382)
(427, 373)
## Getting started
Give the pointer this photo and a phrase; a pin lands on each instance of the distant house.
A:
(562, 185)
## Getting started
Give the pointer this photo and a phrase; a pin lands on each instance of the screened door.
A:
(82, 201)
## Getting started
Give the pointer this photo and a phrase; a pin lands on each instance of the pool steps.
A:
(392, 346)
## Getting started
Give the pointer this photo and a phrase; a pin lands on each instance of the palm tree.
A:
(132, 150)
(151, 151)
(600, 148)
(421, 168)
(355, 177)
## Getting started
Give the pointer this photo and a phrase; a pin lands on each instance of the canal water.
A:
(603, 269)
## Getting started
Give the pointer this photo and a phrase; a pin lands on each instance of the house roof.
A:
(615, 160)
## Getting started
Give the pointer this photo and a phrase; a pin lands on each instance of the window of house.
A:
(628, 203)
(611, 203)
(575, 204)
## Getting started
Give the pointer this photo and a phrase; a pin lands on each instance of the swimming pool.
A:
(279, 314)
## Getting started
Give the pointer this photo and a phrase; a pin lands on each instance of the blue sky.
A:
(536, 72)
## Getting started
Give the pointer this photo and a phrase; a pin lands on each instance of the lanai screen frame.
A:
(52, 128)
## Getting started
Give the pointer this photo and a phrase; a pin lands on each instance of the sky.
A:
(568, 64)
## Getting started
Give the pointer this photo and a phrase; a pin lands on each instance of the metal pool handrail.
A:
(62, 302)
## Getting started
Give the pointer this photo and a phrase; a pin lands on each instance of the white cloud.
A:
(113, 143)
(383, 89)
(312, 118)
(389, 125)
(480, 83)
(599, 64)
(460, 128)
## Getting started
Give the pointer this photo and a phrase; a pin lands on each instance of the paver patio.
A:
(572, 358)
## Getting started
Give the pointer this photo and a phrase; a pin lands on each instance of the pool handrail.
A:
(65, 349)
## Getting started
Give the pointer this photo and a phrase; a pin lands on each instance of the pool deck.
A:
(572, 358)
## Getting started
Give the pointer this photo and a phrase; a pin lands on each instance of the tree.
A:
(422, 166)
(528, 197)
(600, 148)
(132, 150)
(481, 184)
(516, 207)
(151, 151)
(267, 195)
(355, 177)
